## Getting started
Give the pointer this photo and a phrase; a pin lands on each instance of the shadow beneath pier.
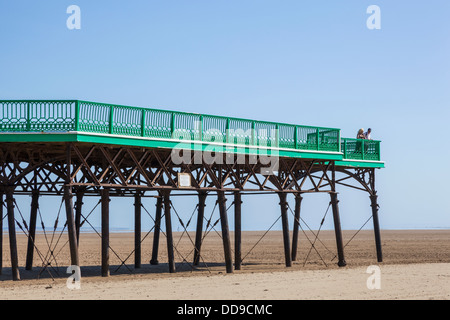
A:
(60, 272)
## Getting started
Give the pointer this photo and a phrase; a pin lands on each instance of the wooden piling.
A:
(169, 236)
(78, 213)
(1, 232)
(70, 219)
(12, 235)
(298, 203)
(285, 226)
(237, 230)
(376, 226)
(137, 230)
(199, 229)
(32, 229)
(73, 245)
(105, 232)
(337, 229)
(157, 230)
(225, 231)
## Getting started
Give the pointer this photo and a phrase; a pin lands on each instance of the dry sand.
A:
(416, 266)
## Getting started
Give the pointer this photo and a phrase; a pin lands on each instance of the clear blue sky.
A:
(304, 62)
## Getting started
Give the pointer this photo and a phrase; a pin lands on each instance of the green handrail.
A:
(37, 115)
(103, 118)
(361, 149)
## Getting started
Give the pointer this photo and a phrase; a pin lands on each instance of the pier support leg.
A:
(78, 211)
(137, 230)
(285, 226)
(12, 235)
(225, 231)
(376, 227)
(1, 232)
(105, 232)
(167, 216)
(337, 229)
(73, 245)
(199, 230)
(298, 203)
(237, 230)
(32, 230)
(156, 231)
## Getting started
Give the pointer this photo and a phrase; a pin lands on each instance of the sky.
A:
(302, 62)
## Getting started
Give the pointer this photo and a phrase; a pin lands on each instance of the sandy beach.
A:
(416, 266)
(414, 281)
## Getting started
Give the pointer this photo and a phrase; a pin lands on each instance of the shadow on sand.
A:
(60, 272)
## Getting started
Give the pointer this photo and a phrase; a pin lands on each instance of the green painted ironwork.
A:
(360, 149)
(102, 118)
(35, 116)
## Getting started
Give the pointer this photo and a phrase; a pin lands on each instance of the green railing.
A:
(155, 123)
(93, 117)
(32, 116)
(359, 149)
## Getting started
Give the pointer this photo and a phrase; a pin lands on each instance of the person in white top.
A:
(367, 134)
